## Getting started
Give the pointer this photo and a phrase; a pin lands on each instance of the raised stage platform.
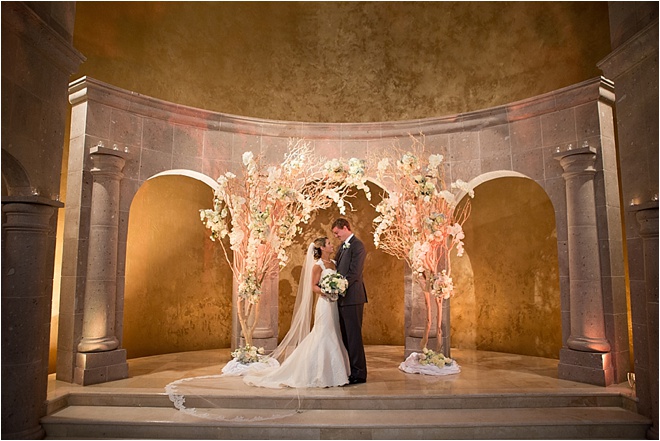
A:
(495, 396)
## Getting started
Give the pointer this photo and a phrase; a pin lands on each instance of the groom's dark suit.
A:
(350, 263)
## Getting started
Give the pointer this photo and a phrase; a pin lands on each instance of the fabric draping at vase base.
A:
(413, 366)
(237, 369)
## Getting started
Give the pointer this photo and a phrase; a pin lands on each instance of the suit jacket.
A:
(350, 263)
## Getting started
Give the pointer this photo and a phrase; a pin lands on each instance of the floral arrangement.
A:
(442, 286)
(261, 213)
(420, 220)
(247, 354)
(333, 285)
(436, 358)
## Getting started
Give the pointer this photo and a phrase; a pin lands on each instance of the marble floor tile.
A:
(481, 373)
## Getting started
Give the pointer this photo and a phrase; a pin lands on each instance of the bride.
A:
(311, 359)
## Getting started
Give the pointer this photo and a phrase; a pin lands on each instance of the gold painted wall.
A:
(178, 283)
(342, 61)
(507, 282)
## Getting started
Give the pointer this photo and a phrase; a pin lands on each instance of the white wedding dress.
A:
(319, 360)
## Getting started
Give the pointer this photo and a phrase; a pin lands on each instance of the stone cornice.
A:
(639, 47)
(25, 23)
(89, 89)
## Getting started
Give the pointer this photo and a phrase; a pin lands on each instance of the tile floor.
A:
(481, 373)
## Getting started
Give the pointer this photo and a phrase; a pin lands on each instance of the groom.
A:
(350, 263)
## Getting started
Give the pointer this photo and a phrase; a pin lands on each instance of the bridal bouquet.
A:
(333, 285)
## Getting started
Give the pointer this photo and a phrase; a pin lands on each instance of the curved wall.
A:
(342, 61)
(521, 139)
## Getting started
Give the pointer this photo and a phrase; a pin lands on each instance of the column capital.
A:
(577, 151)
(108, 162)
(31, 200)
(647, 217)
(23, 215)
(100, 149)
(577, 161)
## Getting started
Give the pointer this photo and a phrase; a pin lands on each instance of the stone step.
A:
(291, 400)
(137, 422)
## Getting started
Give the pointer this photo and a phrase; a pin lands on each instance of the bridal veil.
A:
(301, 322)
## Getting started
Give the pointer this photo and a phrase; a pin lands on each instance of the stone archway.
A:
(509, 297)
(177, 294)
(15, 179)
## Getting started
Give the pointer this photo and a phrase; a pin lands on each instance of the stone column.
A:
(98, 358)
(27, 280)
(587, 357)
(647, 217)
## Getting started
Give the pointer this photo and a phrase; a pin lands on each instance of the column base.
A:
(586, 367)
(33, 433)
(586, 344)
(100, 367)
(98, 344)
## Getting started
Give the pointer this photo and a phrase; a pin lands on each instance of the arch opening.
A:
(178, 284)
(508, 295)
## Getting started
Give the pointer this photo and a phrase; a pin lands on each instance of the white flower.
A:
(248, 157)
(355, 167)
(448, 196)
(435, 161)
(408, 163)
(248, 354)
(333, 285)
(463, 186)
(436, 358)
(383, 164)
(442, 285)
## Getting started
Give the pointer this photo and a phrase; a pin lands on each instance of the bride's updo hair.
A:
(318, 243)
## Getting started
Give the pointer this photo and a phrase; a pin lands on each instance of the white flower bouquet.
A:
(435, 358)
(333, 285)
(248, 354)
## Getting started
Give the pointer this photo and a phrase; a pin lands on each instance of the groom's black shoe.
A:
(353, 380)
